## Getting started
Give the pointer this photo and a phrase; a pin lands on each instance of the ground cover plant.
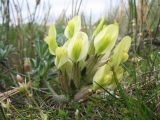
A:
(74, 70)
(78, 55)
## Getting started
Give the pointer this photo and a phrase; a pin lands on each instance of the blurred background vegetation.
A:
(140, 92)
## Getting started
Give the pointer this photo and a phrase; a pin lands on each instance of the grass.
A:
(136, 98)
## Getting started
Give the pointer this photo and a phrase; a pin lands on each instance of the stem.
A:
(50, 88)
(76, 75)
(64, 79)
(56, 97)
(117, 83)
(91, 68)
(106, 91)
(29, 79)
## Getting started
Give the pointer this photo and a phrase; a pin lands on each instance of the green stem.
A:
(64, 80)
(2, 114)
(91, 68)
(76, 75)
(56, 97)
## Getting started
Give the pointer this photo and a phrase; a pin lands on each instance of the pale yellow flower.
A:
(51, 39)
(73, 27)
(106, 38)
(120, 54)
(78, 47)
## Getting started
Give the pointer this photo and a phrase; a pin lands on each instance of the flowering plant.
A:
(82, 62)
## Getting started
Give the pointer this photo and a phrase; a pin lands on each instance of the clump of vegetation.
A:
(84, 71)
(81, 61)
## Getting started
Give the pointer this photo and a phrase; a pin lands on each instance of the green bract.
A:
(106, 38)
(78, 47)
(73, 27)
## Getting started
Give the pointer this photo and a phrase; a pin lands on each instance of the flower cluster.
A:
(82, 61)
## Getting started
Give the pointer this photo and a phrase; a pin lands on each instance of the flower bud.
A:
(19, 79)
(27, 65)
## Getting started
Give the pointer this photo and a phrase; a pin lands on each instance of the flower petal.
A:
(52, 44)
(51, 39)
(105, 40)
(73, 27)
(103, 77)
(121, 51)
(61, 57)
(119, 72)
(52, 31)
(78, 47)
